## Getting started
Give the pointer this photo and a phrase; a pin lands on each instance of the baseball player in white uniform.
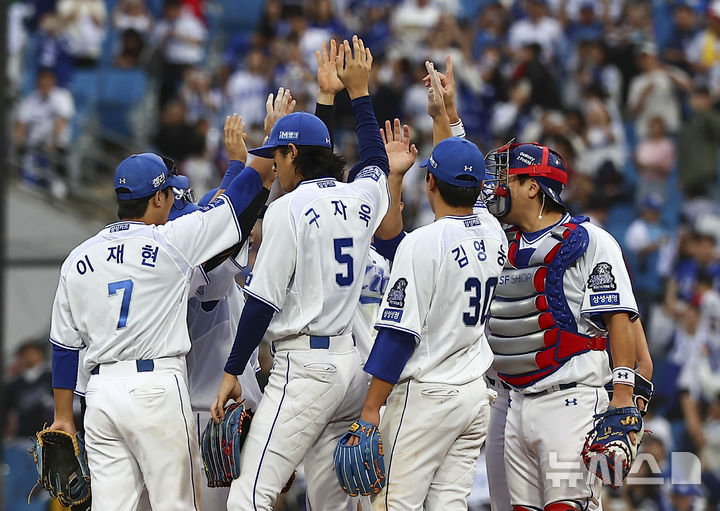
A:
(305, 286)
(564, 289)
(123, 295)
(431, 353)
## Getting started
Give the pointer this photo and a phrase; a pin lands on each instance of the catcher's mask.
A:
(541, 163)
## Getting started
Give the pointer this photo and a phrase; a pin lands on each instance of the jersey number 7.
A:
(480, 306)
(126, 286)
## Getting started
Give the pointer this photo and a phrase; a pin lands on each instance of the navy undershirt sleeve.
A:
(387, 248)
(390, 353)
(234, 168)
(64, 367)
(247, 196)
(370, 144)
(252, 326)
(326, 113)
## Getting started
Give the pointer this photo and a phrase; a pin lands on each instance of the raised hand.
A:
(400, 151)
(235, 138)
(436, 104)
(276, 107)
(327, 78)
(447, 83)
(353, 67)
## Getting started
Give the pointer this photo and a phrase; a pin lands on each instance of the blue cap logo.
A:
(299, 128)
(141, 175)
(456, 161)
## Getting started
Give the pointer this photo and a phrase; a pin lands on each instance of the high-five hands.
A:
(327, 77)
(353, 67)
(400, 151)
(436, 104)
(276, 107)
(447, 85)
(235, 137)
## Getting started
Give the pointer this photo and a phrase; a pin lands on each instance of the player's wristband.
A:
(623, 376)
(458, 129)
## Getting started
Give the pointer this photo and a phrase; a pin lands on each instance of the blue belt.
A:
(143, 366)
(318, 342)
(562, 386)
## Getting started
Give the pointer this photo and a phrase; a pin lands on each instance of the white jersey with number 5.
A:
(442, 280)
(311, 262)
(123, 293)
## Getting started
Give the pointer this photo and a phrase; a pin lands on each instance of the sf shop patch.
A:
(396, 295)
(601, 278)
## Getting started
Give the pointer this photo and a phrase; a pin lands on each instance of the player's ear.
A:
(533, 188)
(293, 150)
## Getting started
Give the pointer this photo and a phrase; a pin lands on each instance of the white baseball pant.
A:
(432, 434)
(311, 399)
(140, 432)
(544, 436)
(495, 449)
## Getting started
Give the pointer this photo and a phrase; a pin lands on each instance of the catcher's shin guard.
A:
(566, 505)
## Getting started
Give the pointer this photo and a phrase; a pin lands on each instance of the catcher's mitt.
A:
(61, 463)
(360, 469)
(222, 443)
(609, 451)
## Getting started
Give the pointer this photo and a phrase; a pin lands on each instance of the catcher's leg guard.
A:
(526, 508)
(566, 505)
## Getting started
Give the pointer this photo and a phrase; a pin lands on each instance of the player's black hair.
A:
(135, 208)
(705, 279)
(313, 162)
(550, 204)
(457, 196)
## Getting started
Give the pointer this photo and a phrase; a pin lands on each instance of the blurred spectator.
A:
(709, 301)
(655, 159)
(604, 139)
(544, 88)
(179, 36)
(702, 258)
(53, 49)
(644, 238)
(84, 22)
(538, 28)
(698, 144)
(248, 87)
(587, 26)
(42, 132)
(710, 454)
(132, 14)
(176, 138)
(375, 30)
(647, 497)
(413, 19)
(704, 51)
(683, 34)
(131, 49)
(653, 92)
(201, 102)
(511, 117)
(29, 397)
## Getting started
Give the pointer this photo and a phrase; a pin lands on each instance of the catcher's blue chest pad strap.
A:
(390, 352)
(252, 326)
(64, 367)
(571, 250)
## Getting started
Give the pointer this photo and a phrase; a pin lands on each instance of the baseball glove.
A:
(609, 450)
(61, 463)
(222, 443)
(360, 469)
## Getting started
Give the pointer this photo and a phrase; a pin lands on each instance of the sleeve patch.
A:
(601, 278)
(396, 295)
(394, 315)
(605, 299)
(373, 172)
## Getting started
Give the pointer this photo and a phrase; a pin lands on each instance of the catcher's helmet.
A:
(541, 163)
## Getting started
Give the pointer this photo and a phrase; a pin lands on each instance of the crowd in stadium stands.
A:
(628, 91)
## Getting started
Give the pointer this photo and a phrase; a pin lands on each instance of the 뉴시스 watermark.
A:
(684, 468)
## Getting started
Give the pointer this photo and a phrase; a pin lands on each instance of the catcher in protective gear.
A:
(360, 468)
(61, 463)
(222, 444)
(611, 447)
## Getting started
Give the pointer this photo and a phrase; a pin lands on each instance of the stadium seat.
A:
(245, 15)
(85, 89)
(121, 90)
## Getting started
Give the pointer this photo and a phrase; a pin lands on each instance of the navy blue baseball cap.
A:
(144, 174)
(455, 159)
(542, 164)
(299, 128)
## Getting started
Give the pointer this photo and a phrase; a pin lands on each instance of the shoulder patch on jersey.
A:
(601, 278)
(373, 172)
(605, 299)
(396, 295)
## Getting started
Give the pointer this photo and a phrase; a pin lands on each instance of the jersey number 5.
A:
(344, 279)
(480, 305)
(126, 286)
